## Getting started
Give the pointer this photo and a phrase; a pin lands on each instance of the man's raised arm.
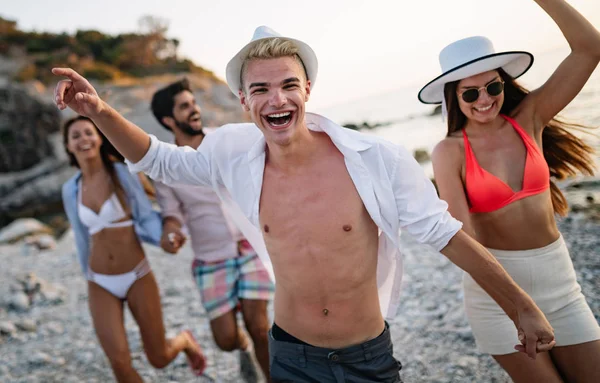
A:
(161, 161)
(78, 94)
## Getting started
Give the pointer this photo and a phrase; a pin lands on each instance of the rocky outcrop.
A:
(33, 165)
(25, 125)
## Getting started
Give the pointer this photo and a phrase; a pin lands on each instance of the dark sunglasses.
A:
(493, 89)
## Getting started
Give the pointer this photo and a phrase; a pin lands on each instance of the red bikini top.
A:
(487, 193)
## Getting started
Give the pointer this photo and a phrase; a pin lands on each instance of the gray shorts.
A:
(371, 361)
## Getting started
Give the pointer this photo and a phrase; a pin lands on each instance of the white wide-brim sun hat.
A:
(469, 57)
(234, 67)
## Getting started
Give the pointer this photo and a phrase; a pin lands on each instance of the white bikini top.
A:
(110, 212)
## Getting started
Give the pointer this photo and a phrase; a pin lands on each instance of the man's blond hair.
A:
(270, 49)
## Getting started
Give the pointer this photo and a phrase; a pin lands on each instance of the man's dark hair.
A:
(163, 101)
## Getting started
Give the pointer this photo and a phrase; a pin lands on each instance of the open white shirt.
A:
(391, 184)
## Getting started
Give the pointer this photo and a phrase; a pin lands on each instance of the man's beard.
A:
(188, 130)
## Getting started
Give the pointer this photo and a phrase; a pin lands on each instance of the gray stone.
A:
(21, 337)
(465, 333)
(41, 242)
(59, 361)
(171, 292)
(18, 301)
(27, 325)
(55, 328)
(30, 283)
(15, 287)
(40, 358)
(85, 357)
(53, 294)
(22, 228)
(467, 361)
(7, 328)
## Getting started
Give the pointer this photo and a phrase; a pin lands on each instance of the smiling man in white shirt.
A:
(327, 203)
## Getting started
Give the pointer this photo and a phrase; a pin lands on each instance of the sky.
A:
(364, 47)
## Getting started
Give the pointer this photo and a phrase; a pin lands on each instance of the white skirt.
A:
(548, 276)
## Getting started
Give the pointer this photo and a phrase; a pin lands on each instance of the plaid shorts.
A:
(223, 283)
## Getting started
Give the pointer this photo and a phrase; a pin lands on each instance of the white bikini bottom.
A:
(119, 284)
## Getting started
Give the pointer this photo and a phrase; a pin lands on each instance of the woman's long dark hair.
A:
(108, 154)
(565, 153)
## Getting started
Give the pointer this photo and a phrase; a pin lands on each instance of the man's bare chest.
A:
(321, 203)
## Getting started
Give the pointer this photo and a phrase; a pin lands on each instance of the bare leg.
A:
(578, 363)
(107, 316)
(257, 323)
(523, 369)
(226, 333)
(144, 302)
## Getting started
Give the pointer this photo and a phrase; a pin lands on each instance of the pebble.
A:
(18, 301)
(7, 328)
(27, 325)
(55, 328)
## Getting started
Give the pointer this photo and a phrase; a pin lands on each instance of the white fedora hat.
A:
(234, 67)
(471, 56)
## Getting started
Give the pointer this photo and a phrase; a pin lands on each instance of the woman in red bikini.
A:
(494, 168)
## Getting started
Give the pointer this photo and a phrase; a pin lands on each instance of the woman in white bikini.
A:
(110, 214)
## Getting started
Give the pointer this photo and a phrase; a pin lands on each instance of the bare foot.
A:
(194, 353)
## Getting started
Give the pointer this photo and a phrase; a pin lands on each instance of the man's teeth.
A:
(483, 109)
(279, 115)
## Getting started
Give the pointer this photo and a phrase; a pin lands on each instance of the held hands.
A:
(77, 94)
(172, 240)
(535, 333)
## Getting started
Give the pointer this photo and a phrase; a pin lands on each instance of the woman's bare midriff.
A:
(522, 225)
(115, 250)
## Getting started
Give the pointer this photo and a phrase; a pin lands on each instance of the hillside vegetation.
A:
(96, 55)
